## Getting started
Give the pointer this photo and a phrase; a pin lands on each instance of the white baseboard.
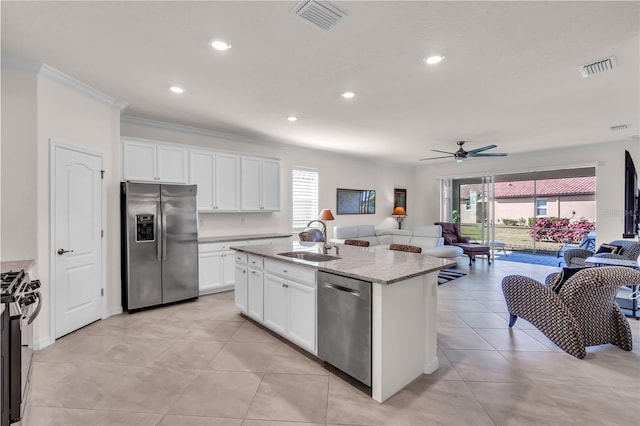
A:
(431, 366)
(42, 343)
(113, 311)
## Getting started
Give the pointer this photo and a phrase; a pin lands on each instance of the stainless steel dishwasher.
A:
(344, 324)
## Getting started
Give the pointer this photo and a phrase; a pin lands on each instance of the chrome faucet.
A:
(325, 245)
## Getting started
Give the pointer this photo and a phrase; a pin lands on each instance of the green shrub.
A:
(455, 216)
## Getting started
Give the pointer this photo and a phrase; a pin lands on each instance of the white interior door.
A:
(77, 201)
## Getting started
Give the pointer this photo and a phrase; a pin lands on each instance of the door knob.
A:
(63, 251)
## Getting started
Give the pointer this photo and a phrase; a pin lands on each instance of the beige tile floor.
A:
(200, 363)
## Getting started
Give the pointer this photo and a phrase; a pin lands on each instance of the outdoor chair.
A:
(575, 258)
(582, 313)
(588, 242)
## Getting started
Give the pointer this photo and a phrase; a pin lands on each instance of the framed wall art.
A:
(356, 201)
(400, 198)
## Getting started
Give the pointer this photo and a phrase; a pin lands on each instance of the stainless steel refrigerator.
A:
(159, 226)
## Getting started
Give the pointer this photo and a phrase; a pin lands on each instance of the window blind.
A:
(304, 196)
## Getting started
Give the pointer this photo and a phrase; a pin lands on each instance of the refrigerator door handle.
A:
(158, 242)
(164, 231)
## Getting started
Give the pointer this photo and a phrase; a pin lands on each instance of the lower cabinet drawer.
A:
(298, 274)
(241, 258)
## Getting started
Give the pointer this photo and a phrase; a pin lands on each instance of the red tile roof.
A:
(544, 187)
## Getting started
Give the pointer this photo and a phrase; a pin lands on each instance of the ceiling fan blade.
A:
(444, 152)
(484, 148)
(490, 154)
(434, 158)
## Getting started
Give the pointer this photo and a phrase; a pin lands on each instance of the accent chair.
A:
(575, 258)
(582, 312)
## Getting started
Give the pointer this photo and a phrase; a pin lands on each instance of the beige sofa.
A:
(427, 237)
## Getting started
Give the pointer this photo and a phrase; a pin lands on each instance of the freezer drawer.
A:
(344, 324)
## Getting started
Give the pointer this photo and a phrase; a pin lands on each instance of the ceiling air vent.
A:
(597, 67)
(319, 13)
(619, 127)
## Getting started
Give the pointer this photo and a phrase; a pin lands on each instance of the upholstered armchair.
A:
(451, 235)
(582, 313)
(575, 258)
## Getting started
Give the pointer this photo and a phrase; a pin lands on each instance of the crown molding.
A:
(39, 68)
(164, 125)
(20, 63)
(72, 83)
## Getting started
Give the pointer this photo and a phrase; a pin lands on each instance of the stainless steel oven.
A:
(4, 365)
(22, 301)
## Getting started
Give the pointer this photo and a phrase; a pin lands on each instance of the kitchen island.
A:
(403, 302)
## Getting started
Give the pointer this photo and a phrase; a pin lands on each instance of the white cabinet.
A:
(290, 302)
(216, 270)
(260, 184)
(275, 303)
(301, 312)
(226, 182)
(154, 162)
(217, 176)
(255, 288)
(241, 284)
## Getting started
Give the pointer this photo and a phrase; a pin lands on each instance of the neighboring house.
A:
(572, 198)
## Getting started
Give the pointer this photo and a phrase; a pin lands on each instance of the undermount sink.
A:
(311, 257)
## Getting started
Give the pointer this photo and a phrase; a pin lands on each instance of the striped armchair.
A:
(575, 258)
(583, 313)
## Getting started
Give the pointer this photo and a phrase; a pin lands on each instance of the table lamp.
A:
(399, 213)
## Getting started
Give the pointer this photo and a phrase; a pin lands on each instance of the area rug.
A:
(447, 275)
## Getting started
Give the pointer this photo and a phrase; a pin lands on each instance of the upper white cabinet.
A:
(260, 184)
(217, 176)
(226, 182)
(154, 162)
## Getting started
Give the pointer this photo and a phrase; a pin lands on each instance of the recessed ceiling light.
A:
(432, 60)
(292, 118)
(220, 45)
(348, 95)
(176, 89)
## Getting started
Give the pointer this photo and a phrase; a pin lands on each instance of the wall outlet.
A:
(242, 221)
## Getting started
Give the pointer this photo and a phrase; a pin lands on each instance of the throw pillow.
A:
(609, 248)
(562, 278)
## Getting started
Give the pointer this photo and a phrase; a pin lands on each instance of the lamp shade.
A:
(326, 214)
(399, 211)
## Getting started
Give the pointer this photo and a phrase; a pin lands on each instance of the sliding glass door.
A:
(532, 212)
(470, 202)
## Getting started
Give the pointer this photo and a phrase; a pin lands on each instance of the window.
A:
(541, 207)
(304, 197)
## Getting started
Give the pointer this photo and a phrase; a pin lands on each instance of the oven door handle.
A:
(37, 311)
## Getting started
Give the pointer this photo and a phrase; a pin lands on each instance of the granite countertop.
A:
(363, 263)
(226, 238)
(16, 265)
